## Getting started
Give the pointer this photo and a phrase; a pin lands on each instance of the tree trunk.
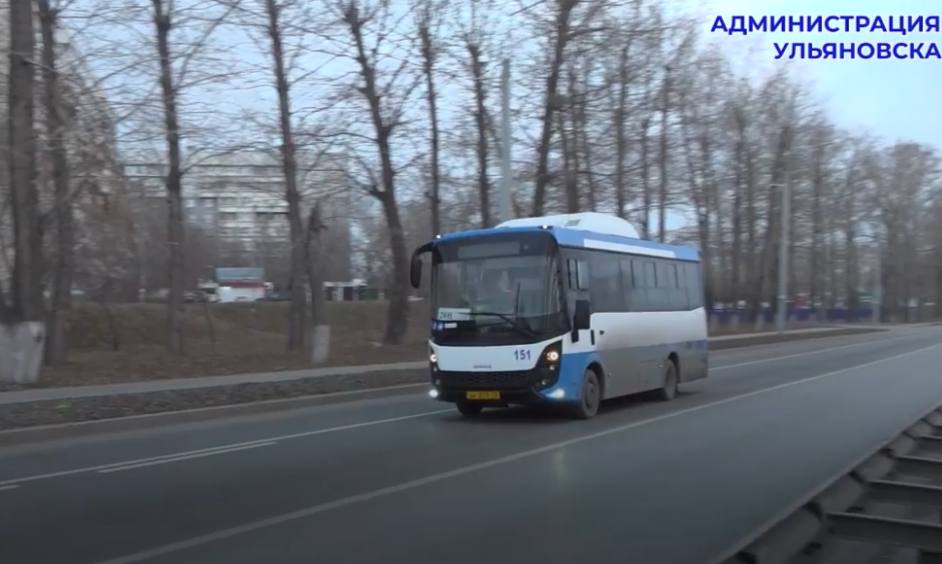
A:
(173, 181)
(480, 122)
(736, 277)
(320, 332)
(851, 266)
(712, 204)
(27, 290)
(560, 39)
(700, 201)
(56, 345)
(580, 127)
(752, 274)
(645, 182)
(428, 66)
(289, 166)
(815, 266)
(662, 161)
(769, 258)
(314, 270)
(398, 311)
(570, 142)
(792, 281)
(621, 143)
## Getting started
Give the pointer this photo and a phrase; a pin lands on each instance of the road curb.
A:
(774, 338)
(78, 429)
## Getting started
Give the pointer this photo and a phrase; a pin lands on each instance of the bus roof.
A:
(585, 237)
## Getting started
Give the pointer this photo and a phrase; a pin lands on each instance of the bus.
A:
(565, 309)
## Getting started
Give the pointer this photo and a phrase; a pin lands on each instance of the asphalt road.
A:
(406, 479)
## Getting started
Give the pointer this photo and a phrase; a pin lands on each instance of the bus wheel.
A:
(469, 409)
(669, 390)
(588, 406)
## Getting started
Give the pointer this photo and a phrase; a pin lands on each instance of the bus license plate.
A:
(482, 395)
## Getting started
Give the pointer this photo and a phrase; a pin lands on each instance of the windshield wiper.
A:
(512, 321)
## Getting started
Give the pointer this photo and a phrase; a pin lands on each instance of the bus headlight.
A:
(547, 368)
(551, 355)
(433, 358)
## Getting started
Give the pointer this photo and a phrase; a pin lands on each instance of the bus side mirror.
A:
(415, 271)
(415, 267)
(580, 320)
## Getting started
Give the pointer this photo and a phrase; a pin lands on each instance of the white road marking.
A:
(227, 446)
(10, 487)
(413, 484)
(185, 457)
(796, 355)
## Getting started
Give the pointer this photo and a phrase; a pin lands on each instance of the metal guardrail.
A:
(906, 472)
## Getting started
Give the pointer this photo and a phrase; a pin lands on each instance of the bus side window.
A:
(650, 279)
(578, 274)
(656, 280)
(582, 274)
(678, 292)
(605, 285)
(645, 285)
(628, 290)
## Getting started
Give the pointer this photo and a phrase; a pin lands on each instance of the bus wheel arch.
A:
(670, 379)
(672, 357)
(594, 366)
(587, 405)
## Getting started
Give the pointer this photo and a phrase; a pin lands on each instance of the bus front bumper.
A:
(535, 386)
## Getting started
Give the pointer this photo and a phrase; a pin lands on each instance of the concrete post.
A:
(21, 348)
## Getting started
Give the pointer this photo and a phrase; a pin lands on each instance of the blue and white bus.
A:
(565, 309)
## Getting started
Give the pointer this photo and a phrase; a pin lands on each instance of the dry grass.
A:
(248, 338)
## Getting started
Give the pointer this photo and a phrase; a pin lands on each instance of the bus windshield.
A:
(496, 290)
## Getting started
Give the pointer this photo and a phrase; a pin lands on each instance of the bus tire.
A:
(668, 391)
(469, 409)
(588, 404)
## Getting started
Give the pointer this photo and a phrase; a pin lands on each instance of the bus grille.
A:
(488, 380)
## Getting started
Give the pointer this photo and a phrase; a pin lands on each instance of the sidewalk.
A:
(41, 394)
(74, 392)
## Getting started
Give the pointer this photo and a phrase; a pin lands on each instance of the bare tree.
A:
(163, 23)
(473, 43)
(620, 116)
(385, 117)
(173, 78)
(429, 47)
(289, 165)
(27, 287)
(54, 109)
(645, 127)
(662, 160)
(560, 38)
